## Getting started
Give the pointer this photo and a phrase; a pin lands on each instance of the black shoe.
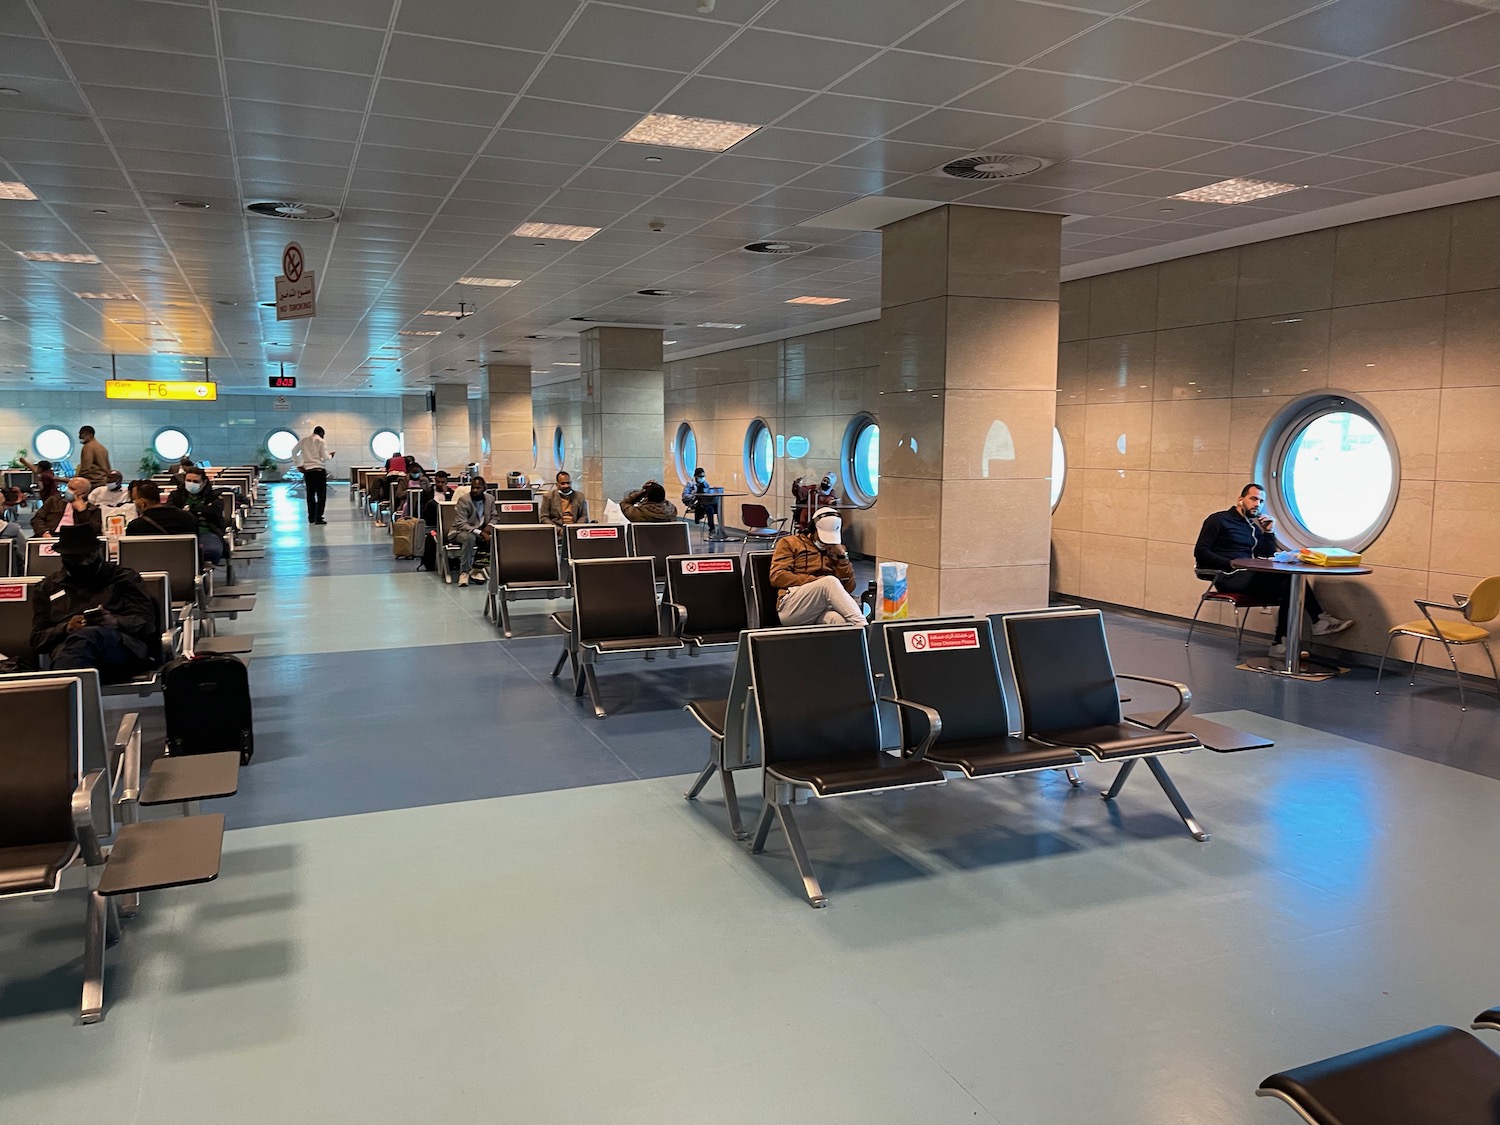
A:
(320, 521)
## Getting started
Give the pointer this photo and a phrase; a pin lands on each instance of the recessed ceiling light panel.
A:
(495, 282)
(14, 189)
(439, 312)
(106, 296)
(701, 133)
(1237, 191)
(417, 332)
(719, 324)
(49, 256)
(558, 231)
(818, 300)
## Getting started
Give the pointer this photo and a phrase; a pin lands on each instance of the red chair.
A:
(1243, 603)
(759, 526)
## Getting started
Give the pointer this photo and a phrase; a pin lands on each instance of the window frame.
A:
(1271, 459)
(187, 437)
(48, 428)
(854, 489)
(559, 448)
(287, 460)
(400, 445)
(679, 440)
(1060, 465)
(753, 432)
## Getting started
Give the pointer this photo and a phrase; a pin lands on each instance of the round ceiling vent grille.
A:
(298, 212)
(994, 166)
(778, 247)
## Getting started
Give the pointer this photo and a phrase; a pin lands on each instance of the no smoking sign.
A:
(292, 262)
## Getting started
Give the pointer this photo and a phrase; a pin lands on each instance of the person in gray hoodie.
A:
(648, 504)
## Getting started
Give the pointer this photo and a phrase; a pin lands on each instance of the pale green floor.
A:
(1011, 952)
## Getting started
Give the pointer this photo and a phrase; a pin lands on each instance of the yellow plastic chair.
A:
(1479, 607)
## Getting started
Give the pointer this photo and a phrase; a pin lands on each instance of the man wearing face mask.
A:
(471, 525)
(156, 516)
(198, 498)
(67, 511)
(94, 613)
(111, 498)
(1245, 530)
(813, 576)
(563, 505)
(700, 501)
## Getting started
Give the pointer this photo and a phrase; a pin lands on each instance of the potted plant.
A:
(18, 461)
(267, 465)
(148, 465)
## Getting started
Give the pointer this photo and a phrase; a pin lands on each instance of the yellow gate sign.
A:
(143, 390)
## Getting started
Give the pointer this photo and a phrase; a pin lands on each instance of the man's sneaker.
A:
(1328, 624)
(463, 579)
(1278, 651)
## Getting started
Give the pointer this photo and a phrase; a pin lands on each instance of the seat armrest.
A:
(91, 815)
(127, 752)
(675, 615)
(1184, 696)
(934, 726)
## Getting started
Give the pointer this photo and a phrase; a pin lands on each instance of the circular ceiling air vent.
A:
(778, 247)
(994, 166)
(300, 212)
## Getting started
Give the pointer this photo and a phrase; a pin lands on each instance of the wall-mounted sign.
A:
(294, 299)
(283, 382)
(142, 390)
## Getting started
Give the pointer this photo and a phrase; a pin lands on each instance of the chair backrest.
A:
(504, 494)
(762, 593)
(41, 557)
(511, 512)
(158, 584)
(23, 479)
(16, 609)
(951, 667)
(1064, 675)
(8, 562)
(658, 542)
(173, 555)
(226, 503)
(711, 589)
(614, 599)
(43, 760)
(814, 694)
(755, 515)
(525, 554)
(595, 541)
(447, 512)
(1484, 602)
(97, 748)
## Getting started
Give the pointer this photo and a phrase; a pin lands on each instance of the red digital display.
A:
(283, 382)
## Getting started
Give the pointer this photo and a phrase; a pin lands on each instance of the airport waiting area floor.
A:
(449, 894)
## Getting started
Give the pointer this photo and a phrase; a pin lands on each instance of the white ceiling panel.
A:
(603, 84)
(1228, 17)
(295, 120)
(1243, 68)
(1241, 121)
(1127, 51)
(644, 38)
(1358, 27)
(132, 23)
(297, 86)
(779, 59)
(1475, 162)
(538, 116)
(299, 42)
(1452, 52)
(1445, 101)
(905, 76)
(730, 100)
(999, 31)
(478, 66)
(880, 22)
(1345, 86)
(960, 128)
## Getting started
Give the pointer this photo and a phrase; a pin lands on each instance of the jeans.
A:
(1270, 588)
(823, 601)
(210, 547)
(707, 507)
(316, 484)
(102, 647)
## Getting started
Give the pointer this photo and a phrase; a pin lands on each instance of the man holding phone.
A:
(813, 577)
(94, 613)
(1246, 530)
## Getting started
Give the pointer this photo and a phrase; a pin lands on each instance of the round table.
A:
(1291, 664)
(718, 536)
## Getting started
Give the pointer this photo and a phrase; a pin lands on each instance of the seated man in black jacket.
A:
(1244, 531)
(94, 613)
(156, 516)
(199, 499)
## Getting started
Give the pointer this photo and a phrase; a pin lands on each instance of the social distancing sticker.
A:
(707, 566)
(938, 640)
(599, 533)
(12, 593)
(515, 507)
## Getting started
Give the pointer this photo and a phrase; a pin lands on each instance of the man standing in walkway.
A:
(311, 456)
(93, 458)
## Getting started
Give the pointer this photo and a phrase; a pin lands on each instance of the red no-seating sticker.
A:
(515, 507)
(932, 640)
(707, 566)
(599, 533)
(12, 593)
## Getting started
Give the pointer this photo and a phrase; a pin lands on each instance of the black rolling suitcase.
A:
(207, 704)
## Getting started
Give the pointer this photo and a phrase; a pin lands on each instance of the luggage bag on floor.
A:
(406, 538)
(207, 705)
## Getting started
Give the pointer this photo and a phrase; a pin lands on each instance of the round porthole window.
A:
(685, 452)
(1333, 472)
(862, 460)
(760, 460)
(384, 444)
(171, 444)
(1059, 467)
(52, 443)
(280, 444)
(559, 448)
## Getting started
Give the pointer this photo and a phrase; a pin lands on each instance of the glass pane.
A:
(557, 446)
(867, 461)
(386, 443)
(280, 445)
(1338, 476)
(687, 451)
(52, 444)
(761, 452)
(171, 445)
(1059, 467)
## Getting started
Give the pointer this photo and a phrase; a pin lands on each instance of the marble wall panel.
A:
(995, 523)
(1113, 569)
(1474, 260)
(1122, 368)
(1123, 303)
(914, 254)
(1468, 446)
(1394, 345)
(1073, 310)
(1471, 347)
(1003, 344)
(1194, 363)
(1281, 355)
(914, 346)
(1465, 532)
(1190, 437)
(1006, 254)
(993, 589)
(1117, 436)
(1201, 289)
(1067, 560)
(1178, 503)
(1115, 501)
(1073, 372)
(997, 434)
(1406, 541)
(1392, 259)
(1286, 275)
(1411, 419)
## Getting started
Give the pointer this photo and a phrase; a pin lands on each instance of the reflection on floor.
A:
(451, 894)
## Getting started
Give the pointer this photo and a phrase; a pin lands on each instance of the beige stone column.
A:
(506, 405)
(452, 427)
(416, 428)
(623, 394)
(968, 386)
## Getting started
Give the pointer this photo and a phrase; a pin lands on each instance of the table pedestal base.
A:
(1309, 669)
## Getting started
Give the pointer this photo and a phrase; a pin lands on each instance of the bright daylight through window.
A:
(52, 444)
(386, 443)
(280, 443)
(686, 450)
(862, 460)
(171, 444)
(759, 456)
(1337, 477)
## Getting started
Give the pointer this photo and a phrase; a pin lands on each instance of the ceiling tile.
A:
(1345, 86)
(1320, 170)
(1230, 17)
(1142, 108)
(1392, 180)
(478, 66)
(439, 103)
(1125, 50)
(543, 146)
(537, 116)
(753, 170)
(1061, 140)
(1434, 105)
(1486, 125)
(1161, 184)
(1475, 162)
(40, 95)
(1243, 68)
(856, 181)
(881, 22)
(1080, 175)
(1357, 27)
(411, 160)
(637, 158)
(600, 83)
(269, 117)
(779, 59)
(177, 138)
(1330, 134)
(297, 86)
(795, 144)
(899, 157)
(1238, 160)
(644, 38)
(1240, 121)
(960, 128)
(291, 42)
(724, 99)
(156, 160)
(855, 117)
(159, 105)
(1454, 51)
(365, 13)
(1000, 31)
(1417, 147)
(1152, 150)
(907, 77)
(643, 184)
(294, 150)
(1019, 195)
(438, 135)
(145, 70)
(131, 23)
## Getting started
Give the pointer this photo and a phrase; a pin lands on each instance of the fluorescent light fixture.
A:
(817, 300)
(564, 364)
(439, 312)
(717, 324)
(1237, 191)
(701, 133)
(14, 189)
(497, 282)
(105, 296)
(560, 231)
(416, 332)
(49, 256)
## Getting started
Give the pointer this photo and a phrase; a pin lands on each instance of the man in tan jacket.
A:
(93, 458)
(813, 575)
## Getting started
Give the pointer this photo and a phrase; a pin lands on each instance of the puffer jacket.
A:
(648, 511)
(798, 561)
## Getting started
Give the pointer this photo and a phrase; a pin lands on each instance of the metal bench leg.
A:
(557, 668)
(101, 929)
(702, 779)
(810, 885)
(592, 681)
(732, 802)
(1072, 777)
(504, 613)
(763, 827)
(1119, 783)
(1379, 672)
(1175, 797)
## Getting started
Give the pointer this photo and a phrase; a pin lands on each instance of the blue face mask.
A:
(194, 487)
